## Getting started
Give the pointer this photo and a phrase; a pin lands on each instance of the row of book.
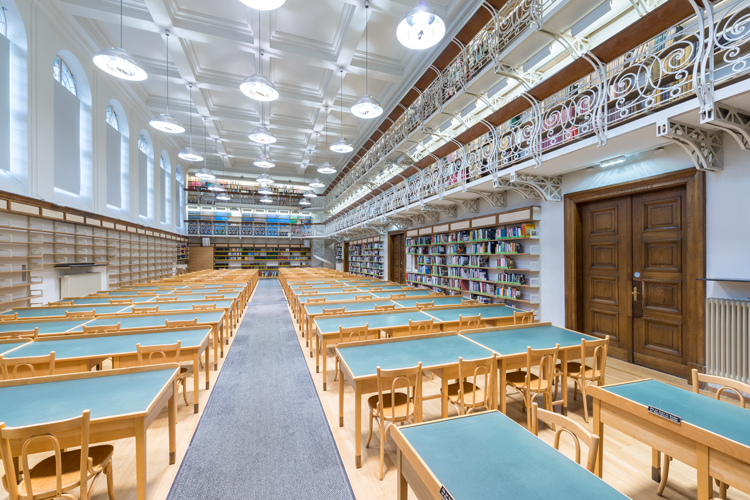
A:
(520, 231)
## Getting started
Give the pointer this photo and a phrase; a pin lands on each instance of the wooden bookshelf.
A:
(266, 258)
(493, 258)
(366, 257)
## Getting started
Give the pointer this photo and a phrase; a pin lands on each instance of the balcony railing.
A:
(686, 61)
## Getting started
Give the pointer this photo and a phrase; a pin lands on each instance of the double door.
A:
(397, 257)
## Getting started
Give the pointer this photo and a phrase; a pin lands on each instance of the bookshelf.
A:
(266, 258)
(204, 220)
(182, 253)
(366, 257)
(339, 249)
(492, 259)
(243, 193)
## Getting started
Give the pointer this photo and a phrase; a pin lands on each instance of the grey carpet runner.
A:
(263, 434)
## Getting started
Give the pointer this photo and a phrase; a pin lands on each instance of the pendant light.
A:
(304, 202)
(264, 4)
(264, 179)
(164, 121)
(367, 107)
(265, 189)
(257, 86)
(261, 134)
(204, 174)
(118, 61)
(310, 194)
(420, 29)
(188, 153)
(340, 145)
(266, 199)
(223, 195)
(264, 161)
(326, 168)
(316, 183)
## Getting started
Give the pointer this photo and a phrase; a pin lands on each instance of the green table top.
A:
(364, 360)
(453, 314)
(49, 311)
(314, 286)
(515, 341)
(182, 306)
(45, 327)
(105, 300)
(118, 293)
(488, 455)
(110, 345)
(336, 296)
(408, 293)
(202, 296)
(721, 418)
(327, 290)
(11, 345)
(105, 396)
(439, 301)
(151, 320)
(379, 320)
(349, 306)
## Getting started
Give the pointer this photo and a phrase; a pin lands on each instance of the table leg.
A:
(196, 380)
(598, 429)
(324, 355)
(656, 465)
(358, 423)
(501, 385)
(705, 485)
(402, 489)
(172, 422)
(317, 353)
(207, 363)
(341, 397)
(222, 337)
(444, 396)
(140, 458)
(564, 382)
(216, 348)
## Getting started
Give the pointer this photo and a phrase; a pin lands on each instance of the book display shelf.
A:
(243, 193)
(366, 257)
(226, 221)
(491, 259)
(266, 258)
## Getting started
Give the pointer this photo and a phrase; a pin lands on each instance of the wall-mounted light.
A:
(612, 162)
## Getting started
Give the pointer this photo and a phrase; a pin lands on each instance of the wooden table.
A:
(487, 455)
(123, 404)
(438, 353)
(713, 436)
(80, 353)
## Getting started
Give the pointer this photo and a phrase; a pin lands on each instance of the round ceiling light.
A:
(266, 199)
(316, 183)
(264, 4)
(205, 175)
(264, 161)
(166, 123)
(310, 194)
(259, 87)
(367, 107)
(118, 62)
(264, 179)
(341, 146)
(190, 154)
(420, 29)
(304, 202)
(262, 135)
(326, 168)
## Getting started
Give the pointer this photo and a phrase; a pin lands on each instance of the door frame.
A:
(694, 182)
(391, 234)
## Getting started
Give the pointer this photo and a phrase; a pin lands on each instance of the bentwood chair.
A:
(375, 289)
(575, 430)
(724, 384)
(13, 368)
(435, 294)
(119, 302)
(62, 303)
(145, 294)
(203, 307)
(422, 305)
(469, 302)
(57, 475)
(398, 296)
(530, 384)
(214, 296)
(81, 314)
(20, 334)
(334, 312)
(349, 290)
(101, 328)
(168, 353)
(398, 400)
(391, 307)
(181, 323)
(361, 297)
(421, 327)
(166, 299)
(585, 373)
(319, 300)
(98, 295)
(475, 385)
(353, 334)
(145, 310)
(523, 318)
(468, 322)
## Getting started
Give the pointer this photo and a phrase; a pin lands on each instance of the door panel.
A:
(396, 256)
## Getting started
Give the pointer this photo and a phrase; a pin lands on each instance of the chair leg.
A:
(382, 449)
(184, 391)
(664, 474)
(110, 480)
(369, 433)
(723, 490)
(585, 402)
(336, 373)
(575, 389)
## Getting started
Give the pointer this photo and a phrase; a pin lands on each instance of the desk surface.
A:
(4, 348)
(49, 311)
(409, 293)
(363, 361)
(105, 300)
(109, 345)
(335, 296)
(354, 306)
(57, 326)
(152, 320)
(379, 320)
(488, 455)
(453, 314)
(105, 395)
(439, 301)
(516, 340)
(721, 418)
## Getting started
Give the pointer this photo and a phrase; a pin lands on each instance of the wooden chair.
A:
(183, 292)
(397, 296)
(98, 295)
(20, 334)
(166, 288)
(724, 384)
(64, 471)
(203, 307)
(353, 334)
(181, 323)
(393, 406)
(531, 385)
(214, 297)
(467, 393)
(584, 373)
(120, 302)
(436, 294)
(422, 305)
(349, 290)
(9, 367)
(469, 322)
(155, 354)
(304, 287)
(62, 303)
(166, 299)
(334, 312)
(81, 314)
(225, 290)
(469, 302)
(421, 327)
(376, 289)
(146, 294)
(523, 318)
(145, 310)
(101, 328)
(391, 307)
(563, 424)
(361, 297)
(319, 300)
(9, 317)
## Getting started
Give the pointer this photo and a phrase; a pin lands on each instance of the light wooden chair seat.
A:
(574, 370)
(562, 424)
(153, 354)
(20, 334)
(519, 379)
(101, 328)
(81, 314)
(400, 407)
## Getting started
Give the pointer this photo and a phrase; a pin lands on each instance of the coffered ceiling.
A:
(214, 45)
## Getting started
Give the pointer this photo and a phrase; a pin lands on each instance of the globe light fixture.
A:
(367, 106)
(266, 199)
(326, 168)
(316, 183)
(264, 161)
(264, 4)
(164, 121)
(264, 179)
(118, 61)
(420, 29)
(188, 153)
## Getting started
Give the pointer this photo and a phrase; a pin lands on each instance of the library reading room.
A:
(374, 249)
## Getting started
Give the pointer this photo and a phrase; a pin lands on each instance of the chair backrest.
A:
(482, 374)
(98, 295)
(166, 299)
(101, 328)
(468, 302)
(349, 290)
(166, 288)
(376, 288)
(391, 307)
(596, 350)
(725, 384)
(435, 294)
(304, 287)
(547, 363)
(120, 302)
(20, 334)
(145, 310)
(9, 317)
(523, 318)
(214, 297)
(62, 303)
(421, 327)
(204, 307)
(29, 436)
(353, 334)
(390, 381)
(575, 430)
(422, 305)
(225, 290)
(145, 293)
(318, 300)
(395, 296)
(12, 368)
(181, 323)
(361, 297)
(80, 314)
(147, 354)
(465, 323)
(333, 312)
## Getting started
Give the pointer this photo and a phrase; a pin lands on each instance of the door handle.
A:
(635, 294)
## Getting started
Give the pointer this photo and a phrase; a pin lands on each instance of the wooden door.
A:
(606, 250)
(396, 258)
(659, 298)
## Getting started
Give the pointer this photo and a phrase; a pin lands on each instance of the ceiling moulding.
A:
(639, 32)
(209, 25)
(302, 45)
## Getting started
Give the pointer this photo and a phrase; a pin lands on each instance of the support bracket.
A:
(495, 199)
(444, 210)
(704, 146)
(469, 206)
(733, 121)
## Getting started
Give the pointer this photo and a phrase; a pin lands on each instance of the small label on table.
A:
(663, 414)
(445, 494)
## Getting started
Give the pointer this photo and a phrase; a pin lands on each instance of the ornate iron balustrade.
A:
(250, 229)
(686, 61)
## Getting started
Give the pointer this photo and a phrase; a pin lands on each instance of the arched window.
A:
(180, 198)
(142, 144)
(3, 22)
(64, 76)
(165, 172)
(145, 175)
(118, 156)
(112, 118)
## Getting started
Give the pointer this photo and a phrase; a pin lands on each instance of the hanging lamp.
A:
(264, 161)
(164, 121)
(325, 167)
(316, 183)
(304, 202)
(118, 62)
(257, 86)
(188, 153)
(264, 179)
(223, 195)
(205, 174)
(340, 145)
(264, 4)
(310, 194)
(367, 107)
(266, 199)
(261, 134)
(420, 29)
(265, 189)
